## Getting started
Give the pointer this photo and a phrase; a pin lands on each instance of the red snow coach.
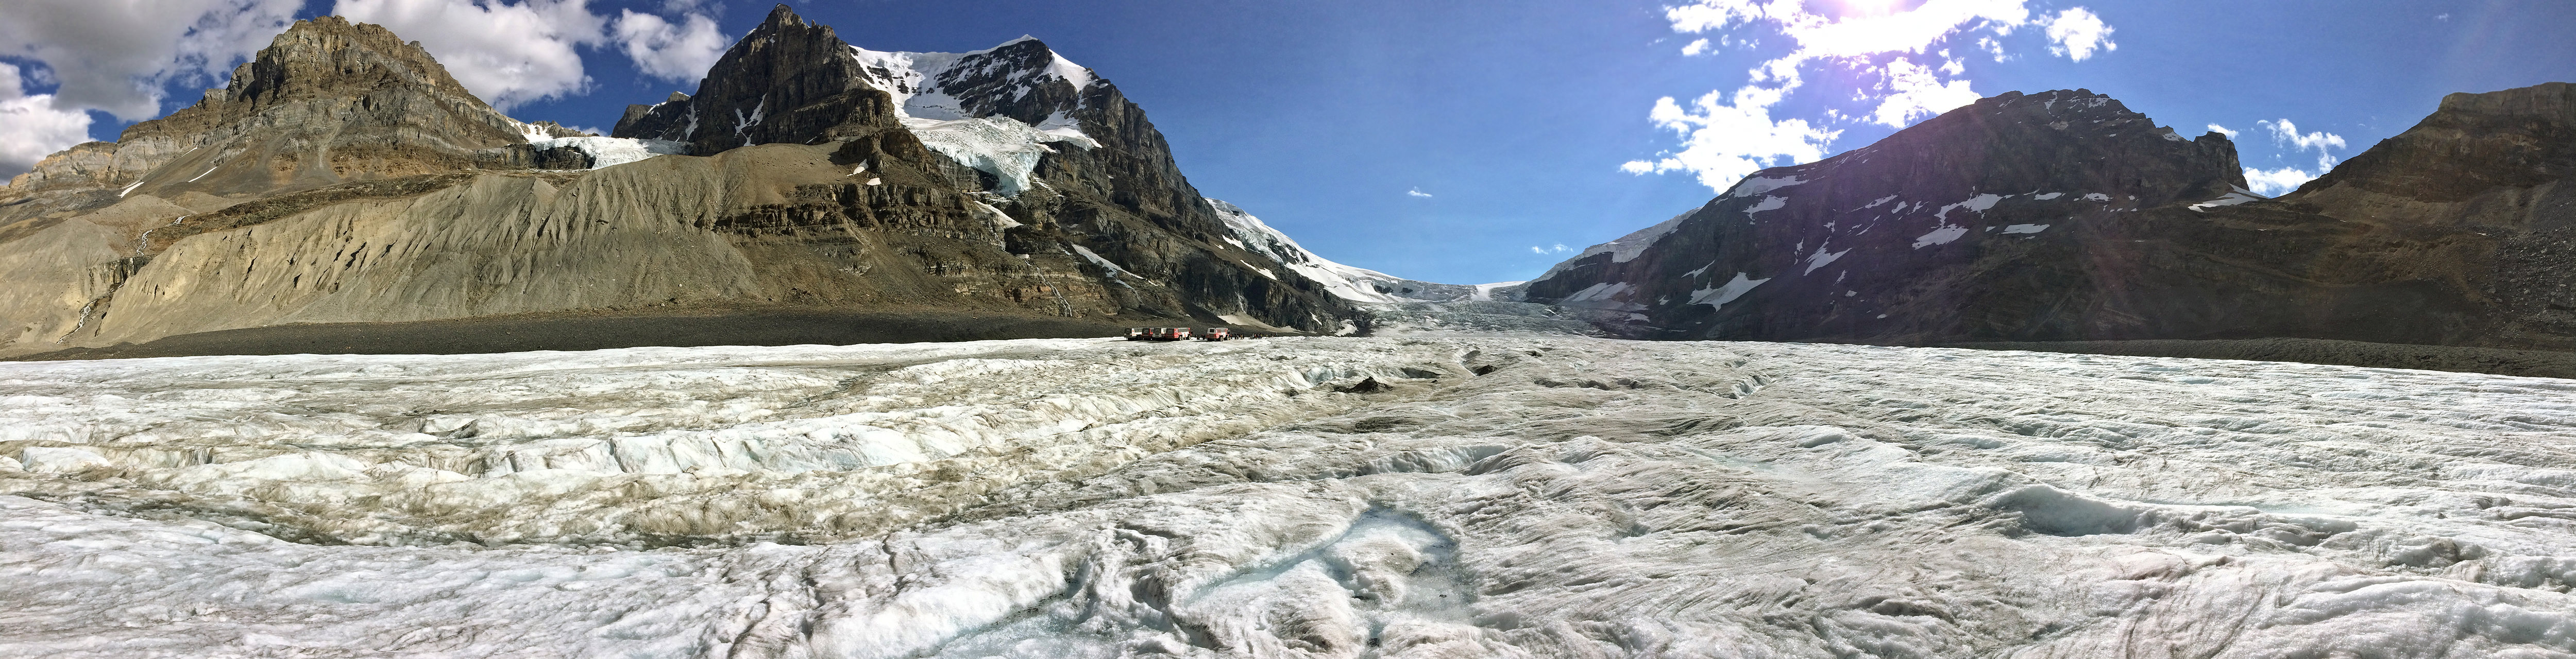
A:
(1218, 334)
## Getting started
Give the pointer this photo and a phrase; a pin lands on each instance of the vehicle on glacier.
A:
(1178, 334)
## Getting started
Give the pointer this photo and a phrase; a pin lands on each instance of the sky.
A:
(1458, 142)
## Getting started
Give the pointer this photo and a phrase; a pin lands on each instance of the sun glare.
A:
(1865, 7)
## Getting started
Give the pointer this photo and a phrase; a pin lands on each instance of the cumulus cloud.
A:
(1695, 47)
(31, 127)
(2272, 182)
(2222, 130)
(1917, 91)
(678, 52)
(1725, 137)
(2284, 132)
(116, 57)
(2275, 182)
(1558, 248)
(2075, 33)
(507, 54)
(1416, 192)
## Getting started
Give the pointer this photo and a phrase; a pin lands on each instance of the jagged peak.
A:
(323, 55)
(781, 16)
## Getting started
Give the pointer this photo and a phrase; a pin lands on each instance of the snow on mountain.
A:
(612, 151)
(1348, 282)
(965, 128)
(1413, 497)
(1624, 248)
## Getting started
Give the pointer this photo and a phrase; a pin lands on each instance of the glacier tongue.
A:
(1430, 497)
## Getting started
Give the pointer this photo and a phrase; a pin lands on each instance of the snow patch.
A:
(1821, 259)
(1767, 204)
(2233, 197)
(1104, 263)
(1600, 295)
(1977, 203)
(1716, 298)
(1940, 236)
(1754, 185)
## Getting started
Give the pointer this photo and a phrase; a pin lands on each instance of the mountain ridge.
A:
(2115, 242)
(827, 204)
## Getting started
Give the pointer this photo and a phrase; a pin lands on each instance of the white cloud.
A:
(2278, 181)
(1695, 47)
(1723, 140)
(117, 55)
(507, 54)
(1558, 248)
(2076, 33)
(2273, 183)
(2284, 132)
(30, 127)
(2222, 130)
(1917, 92)
(1417, 192)
(680, 53)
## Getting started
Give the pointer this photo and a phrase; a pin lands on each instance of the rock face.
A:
(328, 101)
(343, 177)
(2064, 216)
(1059, 151)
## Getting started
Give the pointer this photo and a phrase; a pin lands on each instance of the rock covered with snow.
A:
(1418, 497)
(2064, 215)
(1347, 282)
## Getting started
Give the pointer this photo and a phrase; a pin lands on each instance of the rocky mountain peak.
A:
(329, 56)
(2054, 140)
(1905, 227)
(788, 80)
(1021, 79)
(327, 101)
(2515, 138)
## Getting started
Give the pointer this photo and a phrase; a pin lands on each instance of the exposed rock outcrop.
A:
(1057, 149)
(2062, 216)
(343, 177)
(327, 101)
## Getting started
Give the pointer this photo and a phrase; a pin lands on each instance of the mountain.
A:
(2064, 216)
(343, 185)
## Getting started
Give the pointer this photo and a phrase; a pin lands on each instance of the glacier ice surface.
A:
(1435, 495)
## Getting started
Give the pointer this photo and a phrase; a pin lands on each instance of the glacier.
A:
(1440, 494)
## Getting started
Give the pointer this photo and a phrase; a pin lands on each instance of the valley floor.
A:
(1432, 496)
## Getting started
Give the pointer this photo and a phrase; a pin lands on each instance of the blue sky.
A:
(1526, 124)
